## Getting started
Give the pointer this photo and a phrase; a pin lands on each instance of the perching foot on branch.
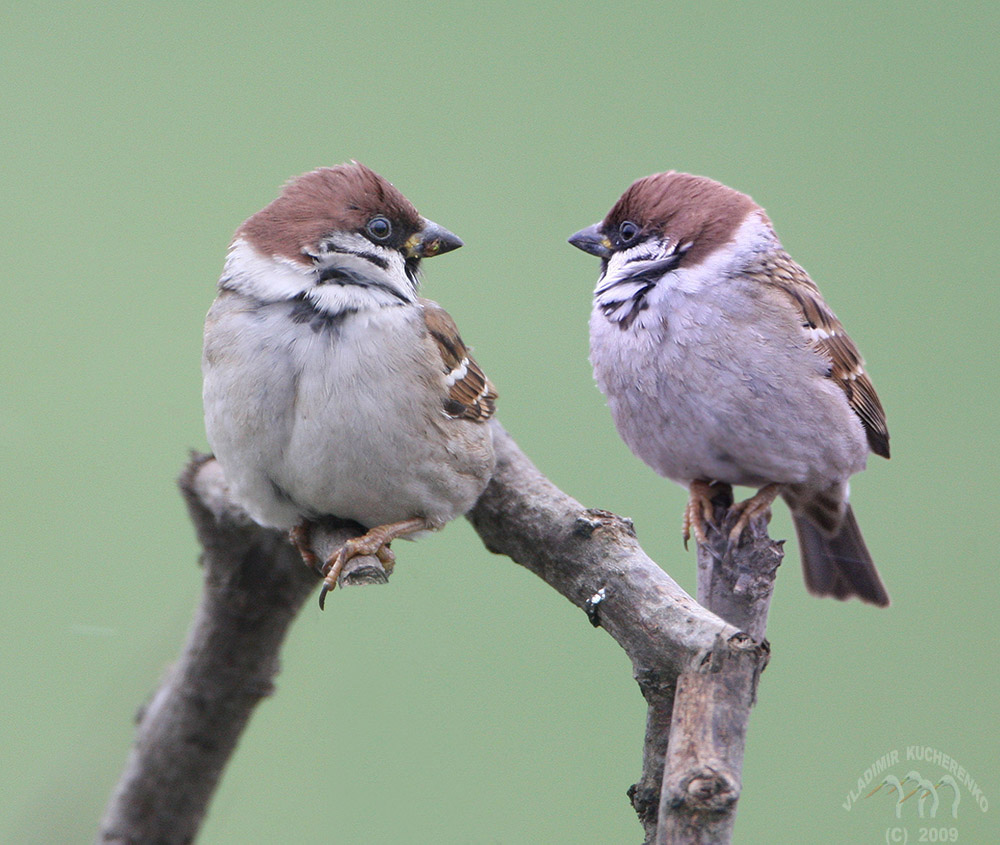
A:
(255, 584)
(374, 542)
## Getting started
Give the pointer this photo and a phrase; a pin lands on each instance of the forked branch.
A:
(697, 672)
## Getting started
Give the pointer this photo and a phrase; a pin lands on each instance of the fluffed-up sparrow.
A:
(722, 364)
(330, 387)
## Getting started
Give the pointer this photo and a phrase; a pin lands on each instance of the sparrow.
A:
(330, 388)
(722, 364)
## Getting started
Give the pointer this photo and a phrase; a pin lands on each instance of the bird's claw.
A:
(698, 513)
(757, 505)
(355, 547)
(301, 537)
(375, 542)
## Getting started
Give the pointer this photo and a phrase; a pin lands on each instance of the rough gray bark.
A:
(712, 702)
(593, 558)
(255, 583)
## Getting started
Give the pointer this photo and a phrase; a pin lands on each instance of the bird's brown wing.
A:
(469, 395)
(828, 337)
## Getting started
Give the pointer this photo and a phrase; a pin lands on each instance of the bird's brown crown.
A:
(330, 199)
(687, 209)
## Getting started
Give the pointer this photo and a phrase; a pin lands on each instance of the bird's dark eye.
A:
(379, 228)
(628, 231)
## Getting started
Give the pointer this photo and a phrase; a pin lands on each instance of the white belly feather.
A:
(706, 395)
(330, 423)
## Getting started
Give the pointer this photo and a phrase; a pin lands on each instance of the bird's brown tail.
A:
(839, 565)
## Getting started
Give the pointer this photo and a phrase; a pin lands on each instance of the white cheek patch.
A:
(631, 275)
(355, 265)
(753, 236)
(340, 242)
(371, 276)
(267, 278)
(622, 266)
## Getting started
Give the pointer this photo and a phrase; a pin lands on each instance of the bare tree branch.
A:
(255, 583)
(703, 778)
(593, 556)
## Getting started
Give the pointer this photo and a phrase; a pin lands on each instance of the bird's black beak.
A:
(432, 240)
(592, 240)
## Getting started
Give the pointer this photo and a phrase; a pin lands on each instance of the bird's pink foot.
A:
(301, 537)
(698, 513)
(757, 505)
(375, 542)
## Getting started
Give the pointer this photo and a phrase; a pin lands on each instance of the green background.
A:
(467, 702)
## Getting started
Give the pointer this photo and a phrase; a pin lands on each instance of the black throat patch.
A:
(303, 310)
